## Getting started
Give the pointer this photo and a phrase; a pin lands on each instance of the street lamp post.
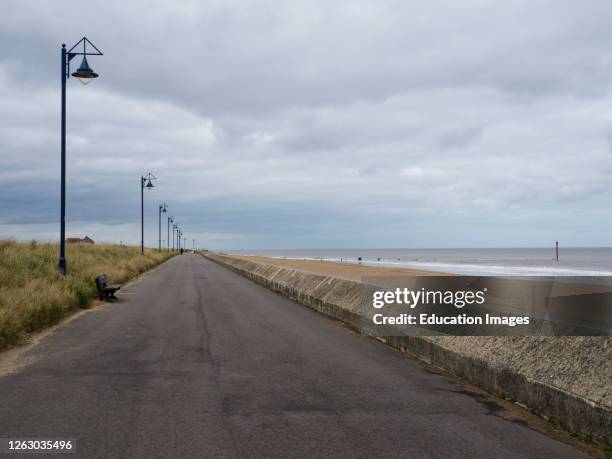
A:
(170, 220)
(85, 74)
(174, 227)
(162, 208)
(148, 185)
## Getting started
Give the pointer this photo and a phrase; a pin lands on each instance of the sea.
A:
(573, 261)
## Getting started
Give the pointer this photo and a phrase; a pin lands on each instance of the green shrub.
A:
(83, 295)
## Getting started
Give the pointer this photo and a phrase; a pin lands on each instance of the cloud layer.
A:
(314, 124)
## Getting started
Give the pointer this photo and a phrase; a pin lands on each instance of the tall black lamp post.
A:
(146, 181)
(170, 220)
(174, 227)
(162, 208)
(85, 74)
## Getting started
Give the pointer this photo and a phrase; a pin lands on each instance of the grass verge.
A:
(34, 295)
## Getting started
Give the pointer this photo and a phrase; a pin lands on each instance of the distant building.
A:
(78, 240)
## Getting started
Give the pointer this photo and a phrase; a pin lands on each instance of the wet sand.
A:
(342, 270)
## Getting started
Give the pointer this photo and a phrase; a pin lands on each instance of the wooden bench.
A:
(106, 292)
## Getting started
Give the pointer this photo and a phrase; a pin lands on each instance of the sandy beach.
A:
(342, 270)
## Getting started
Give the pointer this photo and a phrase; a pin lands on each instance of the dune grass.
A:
(34, 295)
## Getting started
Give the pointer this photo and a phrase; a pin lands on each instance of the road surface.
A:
(196, 361)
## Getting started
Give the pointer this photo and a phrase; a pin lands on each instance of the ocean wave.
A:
(493, 270)
(473, 269)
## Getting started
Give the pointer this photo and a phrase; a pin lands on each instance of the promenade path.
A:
(196, 361)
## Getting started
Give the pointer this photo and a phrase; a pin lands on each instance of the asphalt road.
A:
(196, 361)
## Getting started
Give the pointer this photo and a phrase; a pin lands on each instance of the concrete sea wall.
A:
(567, 380)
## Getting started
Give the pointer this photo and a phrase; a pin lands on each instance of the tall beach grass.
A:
(34, 295)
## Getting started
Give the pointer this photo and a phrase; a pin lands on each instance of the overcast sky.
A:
(314, 124)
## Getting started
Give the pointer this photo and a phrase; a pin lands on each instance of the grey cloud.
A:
(310, 124)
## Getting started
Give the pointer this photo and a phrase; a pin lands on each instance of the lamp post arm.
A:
(85, 41)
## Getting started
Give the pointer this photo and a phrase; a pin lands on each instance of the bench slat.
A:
(105, 291)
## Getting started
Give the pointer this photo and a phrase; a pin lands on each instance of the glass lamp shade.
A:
(85, 73)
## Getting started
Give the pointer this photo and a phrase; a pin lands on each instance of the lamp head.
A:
(85, 73)
(149, 184)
